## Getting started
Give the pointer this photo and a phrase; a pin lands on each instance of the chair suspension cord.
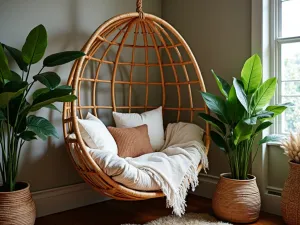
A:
(139, 8)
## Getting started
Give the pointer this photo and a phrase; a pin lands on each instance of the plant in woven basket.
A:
(291, 147)
(18, 104)
(242, 114)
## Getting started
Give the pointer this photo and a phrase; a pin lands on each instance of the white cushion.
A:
(153, 119)
(96, 135)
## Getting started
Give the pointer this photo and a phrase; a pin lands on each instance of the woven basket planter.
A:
(236, 201)
(290, 205)
(17, 207)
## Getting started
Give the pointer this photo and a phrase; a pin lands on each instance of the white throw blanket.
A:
(173, 169)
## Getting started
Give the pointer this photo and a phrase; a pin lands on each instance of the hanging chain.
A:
(139, 8)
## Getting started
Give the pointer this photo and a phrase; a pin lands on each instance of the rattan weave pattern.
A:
(17, 208)
(290, 204)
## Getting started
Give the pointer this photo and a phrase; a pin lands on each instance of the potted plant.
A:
(241, 115)
(18, 124)
(290, 205)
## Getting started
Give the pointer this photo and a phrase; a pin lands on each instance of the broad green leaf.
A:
(278, 109)
(41, 127)
(214, 122)
(216, 105)
(16, 106)
(62, 58)
(252, 74)
(2, 116)
(14, 86)
(234, 107)
(224, 87)
(218, 140)
(35, 45)
(17, 56)
(28, 135)
(46, 93)
(263, 95)
(262, 126)
(5, 97)
(272, 138)
(240, 93)
(53, 107)
(14, 76)
(264, 115)
(4, 69)
(241, 132)
(10, 92)
(39, 92)
(38, 105)
(251, 120)
(50, 79)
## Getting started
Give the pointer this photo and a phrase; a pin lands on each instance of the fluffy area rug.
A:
(187, 219)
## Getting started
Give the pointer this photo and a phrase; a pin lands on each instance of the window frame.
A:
(276, 42)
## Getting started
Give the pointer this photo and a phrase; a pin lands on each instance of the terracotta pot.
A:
(17, 207)
(290, 204)
(236, 201)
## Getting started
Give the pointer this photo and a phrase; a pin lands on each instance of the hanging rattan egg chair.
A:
(159, 60)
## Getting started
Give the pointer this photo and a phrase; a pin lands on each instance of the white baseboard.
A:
(65, 198)
(78, 195)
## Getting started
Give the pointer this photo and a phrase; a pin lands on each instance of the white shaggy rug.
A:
(187, 219)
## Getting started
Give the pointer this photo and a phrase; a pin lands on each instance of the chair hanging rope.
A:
(139, 8)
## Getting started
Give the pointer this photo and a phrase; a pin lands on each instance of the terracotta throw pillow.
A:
(132, 142)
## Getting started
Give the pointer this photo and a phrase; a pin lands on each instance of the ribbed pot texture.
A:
(290, 204)
(237, 201)
(17, 207)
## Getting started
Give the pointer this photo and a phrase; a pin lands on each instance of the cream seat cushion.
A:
(96, 135)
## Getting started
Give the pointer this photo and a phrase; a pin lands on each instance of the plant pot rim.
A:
(27, 186)
(294, 163)
(225, 176)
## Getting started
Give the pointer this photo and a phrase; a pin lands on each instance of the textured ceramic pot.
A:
(237, 201)
(17, 207)
(290, 204)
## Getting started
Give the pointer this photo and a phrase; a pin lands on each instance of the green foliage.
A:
(17, 124)
(4, 69)
(224, 87)
(62, 58)
(50, 79)
(35, 46)
(242, 114)
(41, 127)
(17, 56)
(252, 74)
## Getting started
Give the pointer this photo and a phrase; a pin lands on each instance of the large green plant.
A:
(18, 123)
(242, 114)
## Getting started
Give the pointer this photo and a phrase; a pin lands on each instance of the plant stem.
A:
(28, 72)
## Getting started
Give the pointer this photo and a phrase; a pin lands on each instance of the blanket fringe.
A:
(176, 198)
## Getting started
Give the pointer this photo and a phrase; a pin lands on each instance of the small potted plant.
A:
(18, 124)
(241, 115)
(290, 205)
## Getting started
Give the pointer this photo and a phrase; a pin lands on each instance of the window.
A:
(286, 60)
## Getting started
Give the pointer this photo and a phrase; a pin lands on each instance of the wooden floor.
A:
(114, 212)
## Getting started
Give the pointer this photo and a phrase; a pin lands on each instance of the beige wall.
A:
(69, 24)
(219, 34)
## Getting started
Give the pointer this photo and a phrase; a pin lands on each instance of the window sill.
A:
(274, 144)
